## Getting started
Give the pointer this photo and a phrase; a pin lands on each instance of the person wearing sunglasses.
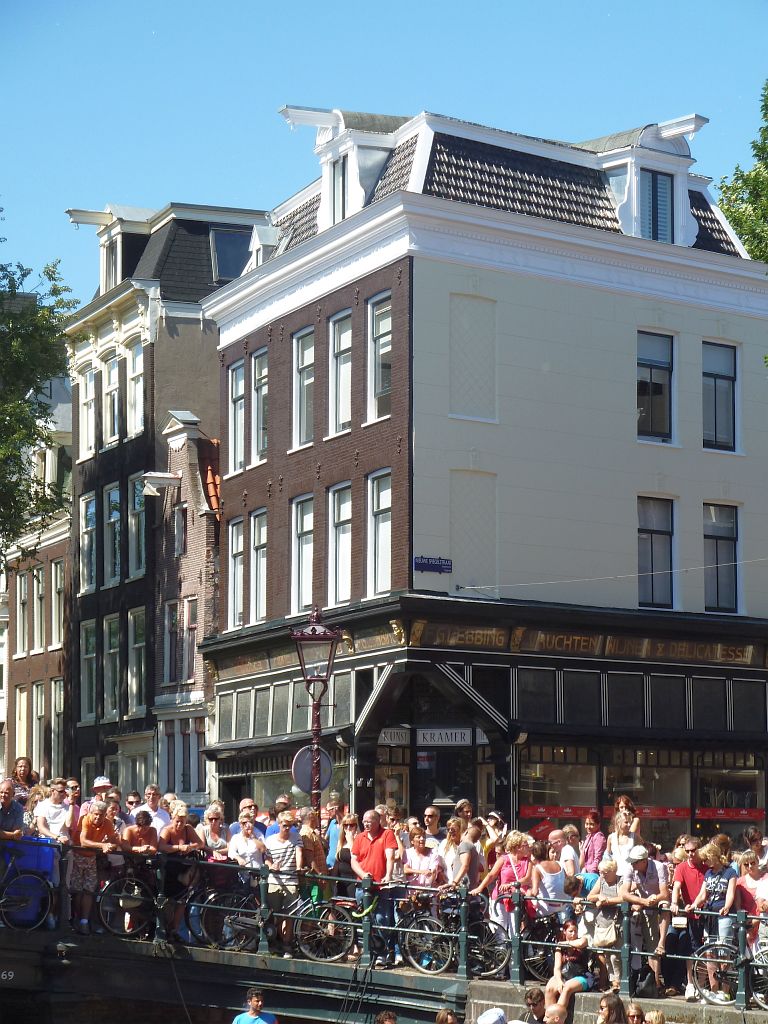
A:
(212, 832)
(132, 803)
(685, 935)
(435, 834)
(635, 1014)
(611, 1009)
(536, 1005)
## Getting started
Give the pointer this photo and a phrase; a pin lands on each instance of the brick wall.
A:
(313, 470)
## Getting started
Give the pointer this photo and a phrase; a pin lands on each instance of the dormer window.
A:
(339, 189)
(656, 206)
(230, 251)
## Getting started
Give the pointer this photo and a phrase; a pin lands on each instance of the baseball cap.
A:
(637, 853)
(101, 782)
(493, 1016)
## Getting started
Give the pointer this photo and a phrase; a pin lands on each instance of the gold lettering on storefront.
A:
(566, 643)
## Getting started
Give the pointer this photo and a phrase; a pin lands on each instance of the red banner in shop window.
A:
(645, 811)
(731, 813)
(552, 811)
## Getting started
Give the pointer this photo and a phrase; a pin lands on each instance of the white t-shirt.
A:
(55, 815)
(568, 853)
(160, 818)
(247, 849)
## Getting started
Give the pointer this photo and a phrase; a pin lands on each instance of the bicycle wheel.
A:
(327, 935)
(25, 901)
(193, 907)
(219, 920)
(488, 949)
(427, 946)
(127, 907)
(538, 960)
(758, 978)
(715, 974)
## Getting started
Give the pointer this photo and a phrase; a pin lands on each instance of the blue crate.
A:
(32, 854)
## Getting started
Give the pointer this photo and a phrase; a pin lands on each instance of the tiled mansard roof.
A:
(478, 173)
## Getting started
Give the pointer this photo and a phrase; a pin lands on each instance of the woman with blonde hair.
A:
(36, 795)
(511, 870)
(717, 893)
(449, 847)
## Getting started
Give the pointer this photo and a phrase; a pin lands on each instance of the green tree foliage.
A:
(744, 199)
(32, 352)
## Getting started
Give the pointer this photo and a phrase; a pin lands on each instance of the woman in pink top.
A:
(591, 850)
(511, 869)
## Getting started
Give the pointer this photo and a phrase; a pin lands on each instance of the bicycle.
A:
(431, 944)
(538, 938)
(26, 897)
(324, 930)
(716, 967)
(128, 905)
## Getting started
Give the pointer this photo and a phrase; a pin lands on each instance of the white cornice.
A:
(406, 224)
(53, 533)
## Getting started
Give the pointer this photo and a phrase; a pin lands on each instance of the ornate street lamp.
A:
(316, 646)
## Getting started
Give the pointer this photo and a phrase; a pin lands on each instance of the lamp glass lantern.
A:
(316, 646)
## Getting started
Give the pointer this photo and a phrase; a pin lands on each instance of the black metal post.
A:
(316, 730)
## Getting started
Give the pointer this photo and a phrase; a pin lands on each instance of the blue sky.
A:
(153, 101)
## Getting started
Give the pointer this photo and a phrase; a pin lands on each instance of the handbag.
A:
(605, 934)
(646, 987)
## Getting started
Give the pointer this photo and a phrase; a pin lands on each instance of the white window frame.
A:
(137, 663)
(57, 726)
(236, 392)
(236, 573)
(340, 373)
(137, 527)
(171, 642)
(22, 613)
(87, 403)
(303, 387)
(87, 543)
(135, 390)
(57, 603)
(180, 529)
(338, 189)
(258, 602)
(340, 544)
(38, 608)
(38, 727)
(111, 666)
(717, 377)
(379, 399)
(259, 406)
(112, 521)
(652, 176)
(190, 638)
(379, 535)
(110, 424)
(302, 511)
(87, 673)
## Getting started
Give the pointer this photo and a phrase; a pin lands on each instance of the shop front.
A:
(675, 791)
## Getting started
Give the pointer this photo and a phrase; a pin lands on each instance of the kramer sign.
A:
(444, 737)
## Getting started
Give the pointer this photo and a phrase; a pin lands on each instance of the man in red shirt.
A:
(373, 856)
(687, 882)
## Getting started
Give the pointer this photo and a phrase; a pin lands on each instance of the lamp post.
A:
(316, 646)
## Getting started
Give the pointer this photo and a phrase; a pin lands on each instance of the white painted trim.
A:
(420, 160)
(407, 224)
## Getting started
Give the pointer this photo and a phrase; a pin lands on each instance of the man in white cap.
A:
(644, 888)
(493, 1016)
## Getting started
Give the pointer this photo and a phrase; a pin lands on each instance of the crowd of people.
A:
(581, 877)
